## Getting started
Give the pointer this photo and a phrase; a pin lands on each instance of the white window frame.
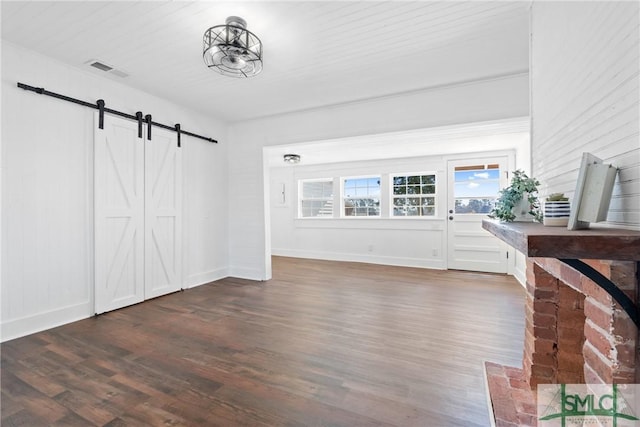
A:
(393, 196)
(301, 197)
(343, 196)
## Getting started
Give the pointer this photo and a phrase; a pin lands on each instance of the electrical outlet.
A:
(370, 248)
(434, 253)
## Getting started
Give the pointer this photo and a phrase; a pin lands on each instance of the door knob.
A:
(451, 218)
(450, 210)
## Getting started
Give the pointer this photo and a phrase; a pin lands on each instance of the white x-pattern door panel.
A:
(119, 216)
(138, 214)
(163, 219)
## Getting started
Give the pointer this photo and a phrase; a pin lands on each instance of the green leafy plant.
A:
(511, 196)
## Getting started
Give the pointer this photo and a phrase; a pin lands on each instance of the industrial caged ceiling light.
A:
(232, 50)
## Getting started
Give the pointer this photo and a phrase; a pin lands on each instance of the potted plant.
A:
(556, 210)
(519, 201)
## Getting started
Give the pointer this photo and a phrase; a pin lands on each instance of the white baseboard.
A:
(203, 278)
(247, 273)
(437, 264)
(16, 328)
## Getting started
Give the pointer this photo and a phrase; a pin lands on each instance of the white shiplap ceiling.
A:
(315, 53)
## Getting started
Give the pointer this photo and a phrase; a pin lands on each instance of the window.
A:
(414, 195)
(361, 196)
(317, 198)
(476, 188)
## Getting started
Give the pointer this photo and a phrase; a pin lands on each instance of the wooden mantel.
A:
(536, 240)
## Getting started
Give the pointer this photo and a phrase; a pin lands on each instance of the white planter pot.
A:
(556, 214)
(521, 210)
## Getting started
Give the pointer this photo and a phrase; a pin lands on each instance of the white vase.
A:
(521, 210)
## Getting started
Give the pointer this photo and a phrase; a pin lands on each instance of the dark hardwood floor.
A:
(322, 344)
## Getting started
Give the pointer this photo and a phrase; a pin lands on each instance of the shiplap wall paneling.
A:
(585, 97)
(47, 187)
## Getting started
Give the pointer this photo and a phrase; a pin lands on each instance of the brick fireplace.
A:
(575, 332)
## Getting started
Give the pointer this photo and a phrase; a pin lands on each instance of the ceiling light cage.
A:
(232, 50)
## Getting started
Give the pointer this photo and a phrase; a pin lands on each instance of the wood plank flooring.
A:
(322, 344)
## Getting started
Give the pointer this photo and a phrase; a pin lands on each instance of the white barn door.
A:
(119, 215)
(163, 214)
(138, 206)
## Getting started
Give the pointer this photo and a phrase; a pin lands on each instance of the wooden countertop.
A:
(536, 240)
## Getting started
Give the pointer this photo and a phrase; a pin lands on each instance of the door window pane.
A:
(476, 188)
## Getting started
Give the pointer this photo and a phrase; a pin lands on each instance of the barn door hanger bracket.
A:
(139, 119)
(100, 105)
(147, 118)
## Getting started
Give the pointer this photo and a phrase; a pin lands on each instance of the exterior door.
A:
(163, 214)
(473, 186)
(119, 215)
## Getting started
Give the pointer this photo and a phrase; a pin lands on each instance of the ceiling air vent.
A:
(100, 65)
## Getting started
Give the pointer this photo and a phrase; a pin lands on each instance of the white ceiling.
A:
(315, 53)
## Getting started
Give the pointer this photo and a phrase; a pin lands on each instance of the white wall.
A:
(47, 190)
(416, 242)
(585, 98)
(249, 221)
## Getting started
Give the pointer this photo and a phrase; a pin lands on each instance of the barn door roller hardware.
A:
(100, 106)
